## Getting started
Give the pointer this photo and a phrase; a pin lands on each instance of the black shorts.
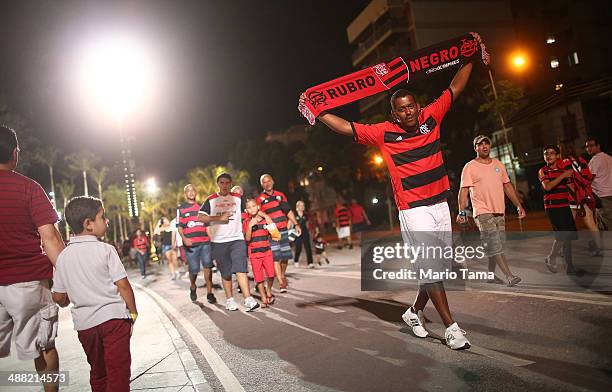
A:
(359, 227)
(563, 224)
(231, 257)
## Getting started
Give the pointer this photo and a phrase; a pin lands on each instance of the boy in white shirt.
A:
(89, 273)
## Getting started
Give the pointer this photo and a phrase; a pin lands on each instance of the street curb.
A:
(227, 379)
(192, 370)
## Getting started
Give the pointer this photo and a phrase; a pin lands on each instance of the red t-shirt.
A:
(141, 244)
(357, 214)
(414, 157)
(276, 206)
(24, 207)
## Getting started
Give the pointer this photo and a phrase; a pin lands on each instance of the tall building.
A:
(386, 29)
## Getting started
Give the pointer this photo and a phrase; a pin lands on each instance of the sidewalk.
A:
(160, 358)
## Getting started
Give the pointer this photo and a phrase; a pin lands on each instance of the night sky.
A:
(229, 70)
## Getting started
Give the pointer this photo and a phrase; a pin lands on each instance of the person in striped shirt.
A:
(410, 146)
(257, 235)
(343, 224)
(196, 243)
(275, 204)
(556, 179)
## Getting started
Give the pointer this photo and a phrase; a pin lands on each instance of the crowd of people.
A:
(229, 231)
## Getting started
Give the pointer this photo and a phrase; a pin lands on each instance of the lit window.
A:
(554, 63)
(576, 60)
(558, 86)
(550, 40)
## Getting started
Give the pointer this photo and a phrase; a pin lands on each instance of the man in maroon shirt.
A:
(27, 313)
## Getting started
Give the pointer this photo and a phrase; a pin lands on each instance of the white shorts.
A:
(28, 315)
(343, 232)
(428, 226)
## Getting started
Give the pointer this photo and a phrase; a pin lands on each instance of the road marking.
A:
(304, 293)
(278, 317)
(221, 370)
(566, 299)
(277, 309)
(314, 305)
(376, 354)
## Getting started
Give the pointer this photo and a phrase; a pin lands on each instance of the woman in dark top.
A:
(304, 239)
(168, 246)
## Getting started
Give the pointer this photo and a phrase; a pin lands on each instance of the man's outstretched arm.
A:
(333, 122)
(460, 80)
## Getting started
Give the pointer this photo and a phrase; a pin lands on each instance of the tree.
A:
(171, 196)
(99, 176)
(66, 188)
(116, 207)
(47, 155)
(205, 178)
(27, 142)
(82, 162)
(507, 102)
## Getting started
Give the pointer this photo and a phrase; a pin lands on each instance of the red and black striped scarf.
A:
(384, 76)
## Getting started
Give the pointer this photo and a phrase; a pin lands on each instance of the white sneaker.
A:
(230, 304)
(296, 265)
(311, 266)
(455, 338)
(414, 321)
(250, 304)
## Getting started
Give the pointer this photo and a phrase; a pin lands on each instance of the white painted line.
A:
(221, 370)
(304, 293)
(554, 298)
(278, 317)
(330, 309)
(277, 309)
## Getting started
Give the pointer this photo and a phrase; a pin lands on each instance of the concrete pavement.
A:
(160, 357)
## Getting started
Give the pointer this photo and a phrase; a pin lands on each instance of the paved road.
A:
(326, 334)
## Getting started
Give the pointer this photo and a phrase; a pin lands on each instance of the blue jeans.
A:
(198, 256)
(142, 262)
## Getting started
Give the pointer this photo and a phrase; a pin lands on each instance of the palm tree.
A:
(115, 204)
(47, 155)
(205, 178)
(67, 190)
(99, 175)
(171, 196)
(82, 162)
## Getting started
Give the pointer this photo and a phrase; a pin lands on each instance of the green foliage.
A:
(205, 178)
(508, 100)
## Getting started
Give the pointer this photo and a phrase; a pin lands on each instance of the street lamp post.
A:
(504, 130)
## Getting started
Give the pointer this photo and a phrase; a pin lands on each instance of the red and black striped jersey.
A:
(260, 237)
(187, 218)
(275, 204)
(414, 158)
(344, 216)
(559, 196)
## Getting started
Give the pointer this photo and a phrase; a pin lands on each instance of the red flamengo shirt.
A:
(275, 205)
(193, 229)
(357, 214)
(414, 157)
(24, 207)
(344, 216)
(260, 238)
(559, 196)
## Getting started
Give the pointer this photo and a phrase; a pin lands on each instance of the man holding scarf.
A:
(410, 146)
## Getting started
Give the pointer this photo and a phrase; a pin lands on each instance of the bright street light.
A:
(118, 73)
(378, 160)
(375, 200)
(152, 187)
(518, 61)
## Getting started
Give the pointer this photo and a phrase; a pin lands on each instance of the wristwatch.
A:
(462, 213)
